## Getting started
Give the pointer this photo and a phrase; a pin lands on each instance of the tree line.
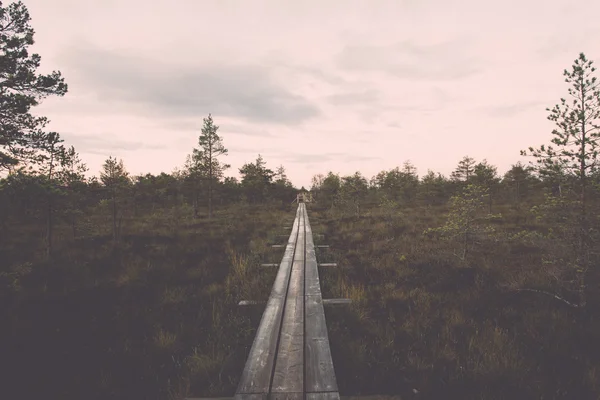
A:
(403, 186)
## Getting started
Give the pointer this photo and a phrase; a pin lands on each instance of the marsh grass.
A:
(153, 318)
(156, 317)
(425, 324)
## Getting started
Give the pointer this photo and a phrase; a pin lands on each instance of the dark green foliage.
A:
(205, 165)
(326, 188)
(571, 162)
(256, 180)
(398, 185)
(465, 169)
(486, 176)
(353, 192)
(518, 181)
(283, 190)
(467, 221)
(21, 88)
(117, 183)
(434, 188)
(578, 125)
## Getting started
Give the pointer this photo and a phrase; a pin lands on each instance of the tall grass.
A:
(424, 324)
(154, 318)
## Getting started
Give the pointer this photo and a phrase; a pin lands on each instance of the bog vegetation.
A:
(478, 285)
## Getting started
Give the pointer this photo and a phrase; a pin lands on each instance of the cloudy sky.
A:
(315, 85)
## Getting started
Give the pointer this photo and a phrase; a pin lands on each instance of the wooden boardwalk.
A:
(290, 356)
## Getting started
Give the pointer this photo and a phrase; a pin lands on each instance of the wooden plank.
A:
(288, 376)
(257, 396)
(256, 376)
(257, 371)
(289, 366)
(269, 265)
(290, 357)
(209, 398)
(323, 396)
(315, 317)
(327, 265)
(320, 375)
(287, 396)
(309, 396)
(313, 286)
(282, 279)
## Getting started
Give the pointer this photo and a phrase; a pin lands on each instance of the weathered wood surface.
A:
(256, 377)
(315, 396)
(320, 376)
(289, 368)
(323, 396)
(290, 356)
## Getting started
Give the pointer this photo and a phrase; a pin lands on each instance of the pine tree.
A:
(353, 191)
(464, 170)
(205, 158)
(326, 188)
(575, 154)
(281, 177)
(58, 168)
(517, 178)
(486, 175)
(432, 188)
(21, 88)
(115, 178)
(256, 179)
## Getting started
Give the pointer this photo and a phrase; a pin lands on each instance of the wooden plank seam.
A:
(290, 356)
